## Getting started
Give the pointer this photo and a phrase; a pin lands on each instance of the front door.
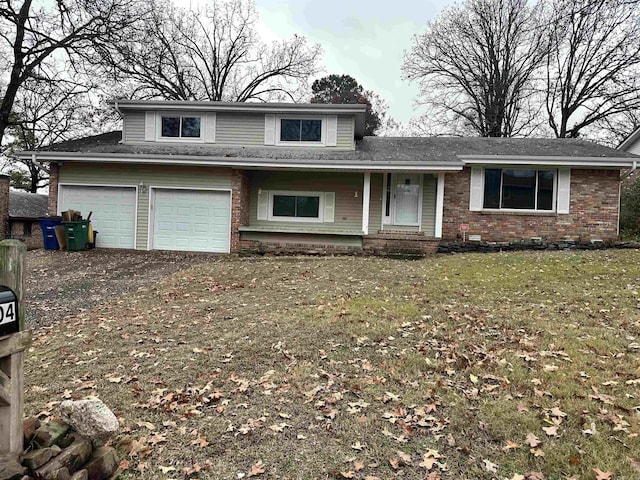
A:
(407, 199)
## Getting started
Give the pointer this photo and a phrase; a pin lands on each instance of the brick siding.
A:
(32, 241)
(239, 206)
(54, 178)
(593, 211)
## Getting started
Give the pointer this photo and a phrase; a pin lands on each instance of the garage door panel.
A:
(191, 220)
(113, 211)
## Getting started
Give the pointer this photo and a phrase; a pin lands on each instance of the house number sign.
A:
(8, 311)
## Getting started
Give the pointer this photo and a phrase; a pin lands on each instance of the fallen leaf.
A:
(166, 470)
(511, 446)
(489, 466)
(600, 475)
(148, 425)
(551, 431)
(257, 469)
(532, 440)
(357, 446)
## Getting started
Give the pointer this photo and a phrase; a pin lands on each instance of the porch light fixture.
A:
(143, 187)
(355, 194)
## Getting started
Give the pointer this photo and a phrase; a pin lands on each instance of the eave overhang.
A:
(560, 161)
(245, 163)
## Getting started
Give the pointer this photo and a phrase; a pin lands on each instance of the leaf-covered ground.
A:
(522, 365)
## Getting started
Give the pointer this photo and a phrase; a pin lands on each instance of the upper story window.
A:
(180, 127)
(519, 189)
(299, 130)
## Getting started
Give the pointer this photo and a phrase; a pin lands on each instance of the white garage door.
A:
(191, 220)
(114, 212)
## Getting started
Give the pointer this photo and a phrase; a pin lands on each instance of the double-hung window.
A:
(177, 127)
(519, 189)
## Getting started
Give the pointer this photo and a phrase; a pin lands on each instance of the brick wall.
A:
(239, 205)
(593, 211)
(54, 176)
(34, 240)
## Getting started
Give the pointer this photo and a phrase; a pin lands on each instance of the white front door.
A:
(113, 212)
(407, 199)
(191, 220)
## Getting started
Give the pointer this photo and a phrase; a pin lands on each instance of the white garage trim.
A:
(151, 215)
(135, 218)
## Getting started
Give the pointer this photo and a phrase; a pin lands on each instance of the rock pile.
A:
(70, 448)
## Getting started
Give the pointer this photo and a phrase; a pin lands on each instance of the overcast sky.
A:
(365, 39)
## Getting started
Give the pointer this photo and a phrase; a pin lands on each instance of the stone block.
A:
(71, 458)
(36, 458)
(103, 463)
(50, 433)
(29, 427)
(10, 468)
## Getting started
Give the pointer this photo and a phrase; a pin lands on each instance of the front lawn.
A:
(523, 365)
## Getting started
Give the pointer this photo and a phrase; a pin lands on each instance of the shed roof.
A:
(27, 205)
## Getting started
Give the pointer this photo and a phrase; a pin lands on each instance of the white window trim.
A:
(319, 219)
(554, 200)
(160, 138)
(323, 130)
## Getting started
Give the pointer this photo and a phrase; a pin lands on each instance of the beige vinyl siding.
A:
(133, 127)
(429, 184)
(348, 208)
(151, 176)
(375, 205)
(239, 129)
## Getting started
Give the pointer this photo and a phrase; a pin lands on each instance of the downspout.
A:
(630, 172)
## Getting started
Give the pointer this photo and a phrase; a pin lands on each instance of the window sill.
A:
(520, 213)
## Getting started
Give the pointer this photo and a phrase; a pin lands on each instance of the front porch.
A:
(342, 212)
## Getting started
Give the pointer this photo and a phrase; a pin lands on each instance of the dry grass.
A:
(359, 367)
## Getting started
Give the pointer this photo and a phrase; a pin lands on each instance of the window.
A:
(299, 130)
(294, 206)
(26, 228)
(180, 127)
(519, 189)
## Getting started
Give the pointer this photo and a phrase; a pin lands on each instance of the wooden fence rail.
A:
(12, 350)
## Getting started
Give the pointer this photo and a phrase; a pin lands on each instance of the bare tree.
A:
(477, 62)
(45, 112)
(592, 72)
(216, 54)
(32, 32)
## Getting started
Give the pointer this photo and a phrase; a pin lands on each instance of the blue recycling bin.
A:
(48, 226)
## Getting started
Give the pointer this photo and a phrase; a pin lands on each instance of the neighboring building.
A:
(25, 210)
(222, 177)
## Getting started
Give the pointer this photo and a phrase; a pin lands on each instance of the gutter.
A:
(630, 172)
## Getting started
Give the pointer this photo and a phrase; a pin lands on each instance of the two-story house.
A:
(222, 177)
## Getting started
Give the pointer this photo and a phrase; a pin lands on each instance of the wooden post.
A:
(12, 347)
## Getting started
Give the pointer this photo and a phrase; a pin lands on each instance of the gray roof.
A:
(390, 150)
(27, 205)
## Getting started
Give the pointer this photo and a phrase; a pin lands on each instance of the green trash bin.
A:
(77, 234)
